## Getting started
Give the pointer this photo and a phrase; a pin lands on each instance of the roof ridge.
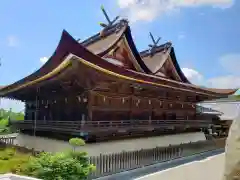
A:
(159, 48)
(107, 32)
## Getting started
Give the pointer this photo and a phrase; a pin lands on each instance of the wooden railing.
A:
(107, 164)
(110, 125)
(7, 139)
(124, 161)
(117, 123)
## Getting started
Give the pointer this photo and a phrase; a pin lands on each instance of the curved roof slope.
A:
(101, 45)
(70, 46)
(156, 62)
(160, 58)
(111, 38)
(97, 45)
(118, 37)
(56, 58)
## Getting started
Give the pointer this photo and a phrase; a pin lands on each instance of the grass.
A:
(11, 160)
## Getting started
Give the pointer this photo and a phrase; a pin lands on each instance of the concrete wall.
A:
(40, 143)
(211, 168)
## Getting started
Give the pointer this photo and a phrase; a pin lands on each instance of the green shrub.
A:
(76, 142)
(59, 166)
(70, 165)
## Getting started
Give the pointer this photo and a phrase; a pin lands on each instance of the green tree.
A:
(76, 142)
(4, 114)
(5, 125)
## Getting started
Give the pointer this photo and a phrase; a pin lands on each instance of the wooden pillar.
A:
(83, 120)
(87, 106)
(36, 111)
(131, 108)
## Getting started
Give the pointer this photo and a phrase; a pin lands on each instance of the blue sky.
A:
(205, 33)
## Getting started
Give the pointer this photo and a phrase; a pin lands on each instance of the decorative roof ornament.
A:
(110, 23)
(154, 45)
(167, 46)
(123, 22)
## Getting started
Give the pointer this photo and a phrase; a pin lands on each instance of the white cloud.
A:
(148, 10)
(12, 41)
(194, 76)
(229, 81)
(222, 82)
(43, 60)
(231, 63)
(16, 106)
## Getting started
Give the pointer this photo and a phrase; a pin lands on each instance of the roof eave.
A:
(70, 45)
(177, 66)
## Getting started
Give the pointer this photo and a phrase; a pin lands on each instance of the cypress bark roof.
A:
(92, 52)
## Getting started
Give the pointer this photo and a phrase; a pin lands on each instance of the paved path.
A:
(210, 168)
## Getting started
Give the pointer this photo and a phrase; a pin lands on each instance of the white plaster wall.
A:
(230, 110)
(208, 169)
(51, 145)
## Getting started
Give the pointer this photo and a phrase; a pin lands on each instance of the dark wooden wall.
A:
(124, 102)
(65, 108)
(119, 101)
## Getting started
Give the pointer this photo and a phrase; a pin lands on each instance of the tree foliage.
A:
(71, 165)
(5, 115)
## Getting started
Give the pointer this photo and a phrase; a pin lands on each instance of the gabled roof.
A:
(142, 62)
(158, 61)
(100, 45)
(58, 62)
(117, 36)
